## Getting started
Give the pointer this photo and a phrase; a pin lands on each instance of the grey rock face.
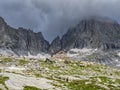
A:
(21, 41)
(93, 33)
(55, 45)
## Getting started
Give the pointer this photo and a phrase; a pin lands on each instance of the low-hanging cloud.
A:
(54, 17)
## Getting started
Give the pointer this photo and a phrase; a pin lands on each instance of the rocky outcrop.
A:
(99, 33)
(93, 33)
(21, 41)
(55, 45)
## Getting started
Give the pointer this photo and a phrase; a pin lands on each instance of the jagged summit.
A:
(2, 24)
(94, 32)
(21, 41)
(55, 45)
(1, 19)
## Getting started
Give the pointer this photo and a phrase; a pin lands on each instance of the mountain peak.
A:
(21, 41)
(2, 21)
(55, 45)
(57, 38)
(93, 32)
(1, 18)
(2, 24)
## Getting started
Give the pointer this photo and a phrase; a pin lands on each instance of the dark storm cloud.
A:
(53, 17)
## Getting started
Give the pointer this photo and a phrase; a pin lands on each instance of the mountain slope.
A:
(21, 41)
(55, 45)
(93, 33)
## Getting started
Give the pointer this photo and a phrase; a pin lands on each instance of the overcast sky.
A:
(53, 17)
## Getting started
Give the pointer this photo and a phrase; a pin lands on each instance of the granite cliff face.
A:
(21, 41)
(56, 45)
(99, 33)
(93, 33)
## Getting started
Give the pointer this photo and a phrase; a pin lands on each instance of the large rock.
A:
(55, 45)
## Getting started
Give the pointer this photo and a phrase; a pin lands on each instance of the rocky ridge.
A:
(21, 41)
(93, 33)
(89, 33)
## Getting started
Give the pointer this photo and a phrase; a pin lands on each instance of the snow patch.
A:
(118, 65)
(80, 52)
(7, 52)
(38, 56)
(116, 60)
(118, 54)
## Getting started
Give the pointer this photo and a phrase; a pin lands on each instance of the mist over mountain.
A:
(102, 33)
(54, 17)
(95, 32)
